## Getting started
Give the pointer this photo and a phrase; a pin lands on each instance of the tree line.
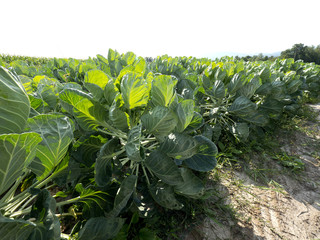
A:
(297, 52)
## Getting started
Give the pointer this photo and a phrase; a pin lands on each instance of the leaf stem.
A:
(69, 201)
(145, 173)
(10, 193)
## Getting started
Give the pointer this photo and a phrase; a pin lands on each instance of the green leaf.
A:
(101, 228)
(265, 74)
(258, 118)
(85, 150)
(140, 65)
(147, 234)
(49, 94)
(196, 123)
(240, 131)
(110, 92)
(250, 88)
(192, 186)
(16, 151)
(272, 106)
(293, 86)
(14, 103)
(264, 89)
(104, 66)
(43, 210)
(235, 84)
(124, 193)
(205, 159)
(103, 166)
(119, 119)
(126, 189)
(134, 143)
(159, 121)
(129, 58)
(134, 90)
(16, 228)
(164, 195)
(179, 146)
(95, 81)
(242, 106)
(164, 168)
(89, 114)
(57, 133)
(96, 77)
(163, 90)
(113, 60)
(184, 111)
(218, 89)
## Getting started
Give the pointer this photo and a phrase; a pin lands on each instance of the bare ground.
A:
(286, 207)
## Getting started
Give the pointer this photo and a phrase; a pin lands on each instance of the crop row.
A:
(121, 136)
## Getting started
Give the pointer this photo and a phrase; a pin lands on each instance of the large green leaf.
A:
(114, 63)
(240, 131)
(258, 118)
(164, 195)
(88, 113)
(272, 107)
(140, 65)
(110, 92)
(101, 228)
(16, 151)
(95, 81)
(159, 121)
(242, 106)
(196, 123)
(218, 89)
(124, 193)
(57, 133)
(96, 77)
(250, 88)
(164, 168)
(163, 90)
(293, 86)
(264, 89)
(235, 84)
(134, 90)
(185, 112)
(129, 58)
(104, 66)
(49, 94)
(126, 189)
(192, 186)
(103, 166)
(265, 74)
(16, 229)
(85, 149)
(179, 146)
(205, 159)
(14, 103)
(119, 118)
(134, 143)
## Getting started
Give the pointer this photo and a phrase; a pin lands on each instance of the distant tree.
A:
(302, 52)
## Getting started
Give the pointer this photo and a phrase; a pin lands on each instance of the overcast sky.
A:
(200, 28)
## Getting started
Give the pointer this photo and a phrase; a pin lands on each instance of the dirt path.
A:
(288, 207)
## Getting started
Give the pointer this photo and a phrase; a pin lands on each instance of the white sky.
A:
(200, 28)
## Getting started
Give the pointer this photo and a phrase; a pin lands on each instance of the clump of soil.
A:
(285, 207)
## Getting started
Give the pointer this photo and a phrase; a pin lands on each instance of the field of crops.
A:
(108, 141)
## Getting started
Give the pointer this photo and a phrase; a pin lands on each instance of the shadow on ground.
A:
(282, 204)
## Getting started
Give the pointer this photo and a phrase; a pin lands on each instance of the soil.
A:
(286, 206)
